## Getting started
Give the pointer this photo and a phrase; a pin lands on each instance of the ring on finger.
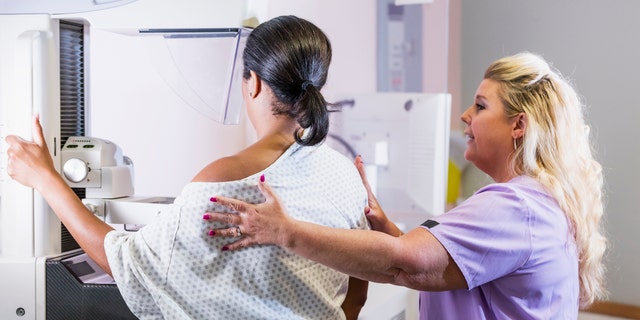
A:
(238, 232)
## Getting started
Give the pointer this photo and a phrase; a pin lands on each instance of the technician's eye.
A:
(479, 106)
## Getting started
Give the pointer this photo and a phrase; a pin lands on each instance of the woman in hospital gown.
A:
(172, 268)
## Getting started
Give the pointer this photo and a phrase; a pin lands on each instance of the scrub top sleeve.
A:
(488, 235)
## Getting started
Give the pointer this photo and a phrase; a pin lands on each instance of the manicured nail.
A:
(225, 248)
(206, 216)
(213, 199)
(262, 178)
(367, 210)
(212, 233)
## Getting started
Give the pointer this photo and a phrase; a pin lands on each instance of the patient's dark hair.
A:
(292, 56)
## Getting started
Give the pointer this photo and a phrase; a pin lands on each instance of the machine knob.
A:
(92, 207)
(75, 170)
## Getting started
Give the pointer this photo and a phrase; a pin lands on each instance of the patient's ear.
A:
(255, 84)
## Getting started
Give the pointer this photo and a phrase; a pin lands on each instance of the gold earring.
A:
(515, 145)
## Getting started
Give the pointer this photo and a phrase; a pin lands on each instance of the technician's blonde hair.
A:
(556, 150)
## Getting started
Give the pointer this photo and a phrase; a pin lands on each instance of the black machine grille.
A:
(70, 299)
(72, 96)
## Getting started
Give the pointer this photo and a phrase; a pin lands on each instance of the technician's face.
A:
(489, 131)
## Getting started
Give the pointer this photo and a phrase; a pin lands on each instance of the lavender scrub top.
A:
(514, 247)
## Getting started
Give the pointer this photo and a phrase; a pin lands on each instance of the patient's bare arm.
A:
(356, 298)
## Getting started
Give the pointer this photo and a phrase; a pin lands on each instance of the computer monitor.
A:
(404, 141)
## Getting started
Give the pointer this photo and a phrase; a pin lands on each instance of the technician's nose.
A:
(466, 116)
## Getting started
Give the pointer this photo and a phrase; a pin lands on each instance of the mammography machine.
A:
(44, 63)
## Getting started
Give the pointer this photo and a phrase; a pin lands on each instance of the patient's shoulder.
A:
(224, 169)
(243, 164)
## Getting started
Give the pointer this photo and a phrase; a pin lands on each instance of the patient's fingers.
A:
(38, 136)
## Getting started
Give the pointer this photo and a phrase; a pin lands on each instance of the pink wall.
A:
(441, 47)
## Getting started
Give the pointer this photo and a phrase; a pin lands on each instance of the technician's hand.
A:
(28, 162)
(374, 212)
(263, 223)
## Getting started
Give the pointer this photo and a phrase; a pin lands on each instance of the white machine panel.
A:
(404, 141)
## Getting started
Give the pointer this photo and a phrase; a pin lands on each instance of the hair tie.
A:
(305, 84)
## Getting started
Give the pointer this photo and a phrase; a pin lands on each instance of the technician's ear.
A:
(519, 125)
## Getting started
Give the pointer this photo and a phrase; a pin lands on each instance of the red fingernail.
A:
(212, 233)
(213, 199)
(367, 210)
(225, 248)
(262, 178)
(206, 216)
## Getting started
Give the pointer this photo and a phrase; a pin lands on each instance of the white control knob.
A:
(92, 207)
(75, 170)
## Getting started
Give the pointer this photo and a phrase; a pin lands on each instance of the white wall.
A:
(594, 43)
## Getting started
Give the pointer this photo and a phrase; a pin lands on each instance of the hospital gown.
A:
(172, 269)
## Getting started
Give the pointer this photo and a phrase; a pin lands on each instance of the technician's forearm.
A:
(367, 255)
(415, 260)
(86, 228)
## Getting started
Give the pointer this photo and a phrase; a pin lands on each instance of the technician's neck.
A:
(503, 177)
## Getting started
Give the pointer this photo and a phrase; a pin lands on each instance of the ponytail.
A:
(313, 115)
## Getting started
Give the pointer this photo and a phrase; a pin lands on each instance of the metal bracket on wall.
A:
(399, 47)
